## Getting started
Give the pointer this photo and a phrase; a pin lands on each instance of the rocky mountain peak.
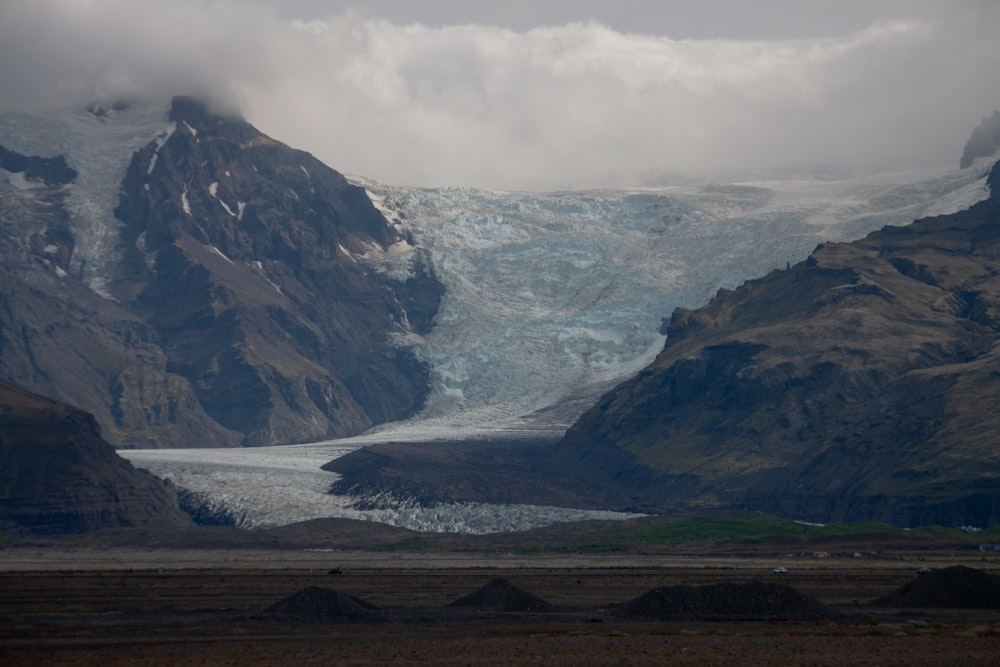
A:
(984, 141)
(184, 109)
(256, 297)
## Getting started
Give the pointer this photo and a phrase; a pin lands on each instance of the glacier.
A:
(551, 298)
(264, 487)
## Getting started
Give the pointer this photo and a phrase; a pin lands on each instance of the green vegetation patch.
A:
(765, 528)
(713, 529)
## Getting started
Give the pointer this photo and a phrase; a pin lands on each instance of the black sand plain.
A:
(176, 606)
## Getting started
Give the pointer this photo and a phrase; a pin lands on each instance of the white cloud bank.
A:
(579, 105)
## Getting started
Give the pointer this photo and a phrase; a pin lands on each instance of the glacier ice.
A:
(265, 487)
(553, 296)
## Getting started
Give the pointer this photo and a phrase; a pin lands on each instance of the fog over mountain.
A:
(505, 105)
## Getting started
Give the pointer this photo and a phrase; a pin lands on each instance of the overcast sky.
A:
(539, 94)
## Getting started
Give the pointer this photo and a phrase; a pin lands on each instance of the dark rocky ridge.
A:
(984, 142)
(51, 171)
(250, 303)
(57, 476)
(860, 384)
(427, 474)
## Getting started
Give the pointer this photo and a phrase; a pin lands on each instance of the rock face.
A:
(860, 384)
(984, 142)
(256, 296)
(58, 476)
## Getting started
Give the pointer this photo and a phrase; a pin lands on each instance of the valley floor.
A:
(190, 607)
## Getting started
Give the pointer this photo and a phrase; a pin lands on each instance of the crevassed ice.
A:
(272, 486)
(552, 296)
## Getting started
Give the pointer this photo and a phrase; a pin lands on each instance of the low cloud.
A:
(578, 105)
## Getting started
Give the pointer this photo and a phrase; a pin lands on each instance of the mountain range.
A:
(239, 292)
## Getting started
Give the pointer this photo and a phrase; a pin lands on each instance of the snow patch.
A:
(213, 189)
(149, 258)
(19, 181)
(305, 171)
(184, 202)
(160, 139)
(220, 254)
(194, 132)
(346, 252)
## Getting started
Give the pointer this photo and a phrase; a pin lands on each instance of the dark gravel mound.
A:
(324, 605)
(501, 595)
(755, 600)
(955, 587)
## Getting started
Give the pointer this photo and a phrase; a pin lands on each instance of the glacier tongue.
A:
(551, 297)
(263, 487)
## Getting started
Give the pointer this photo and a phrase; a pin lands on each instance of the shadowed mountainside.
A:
(58, 476)
(256, 297)
(984, 142)
(860, 384)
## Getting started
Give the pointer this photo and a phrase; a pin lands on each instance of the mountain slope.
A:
(58, 476)
(247, 293)
(984, 141)
(859, 384)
